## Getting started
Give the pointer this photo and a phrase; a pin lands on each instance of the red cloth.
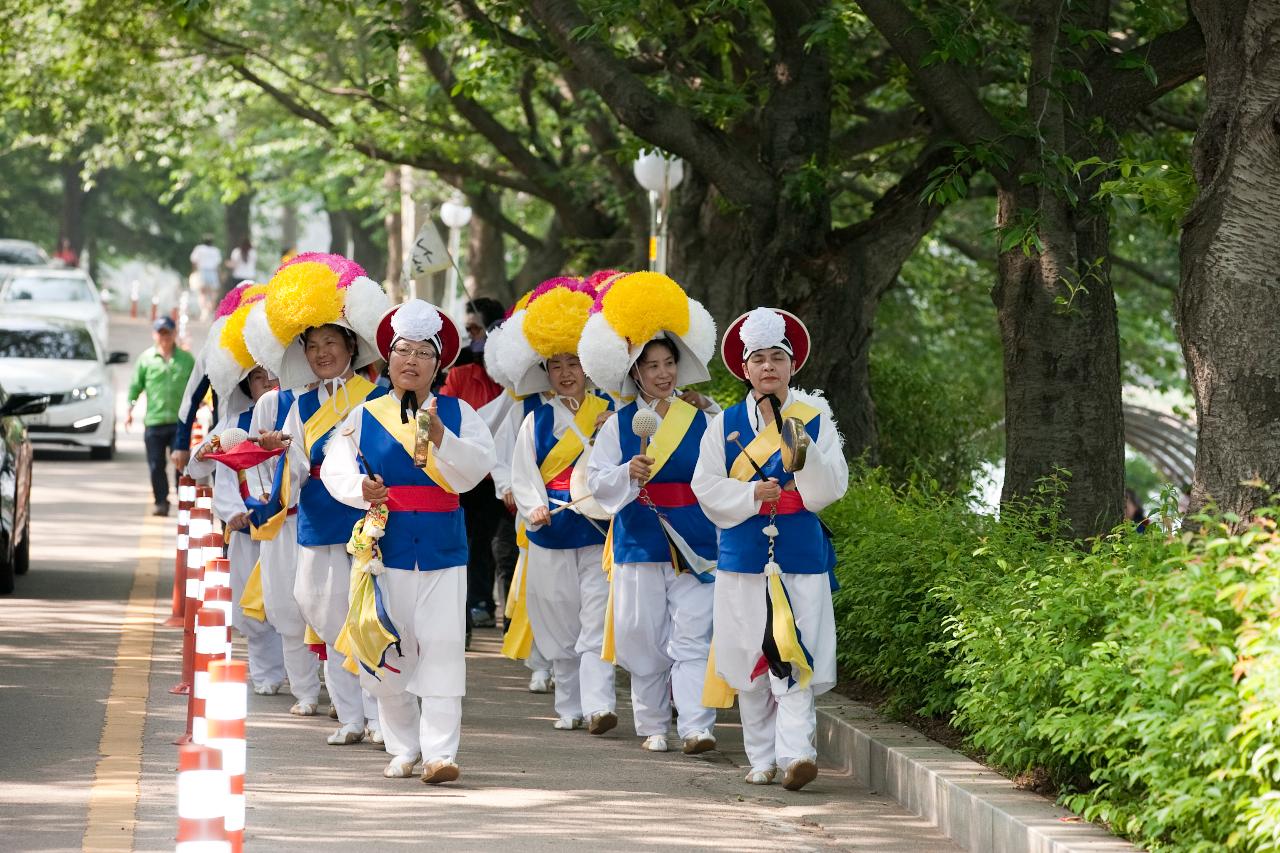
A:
(470, 383)
(670, 495)
(244, 455)
(789, 504)
(420, 499)
(561, 481)
(315, 472)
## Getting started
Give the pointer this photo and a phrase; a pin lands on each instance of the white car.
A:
(62, 359)
(47, 292)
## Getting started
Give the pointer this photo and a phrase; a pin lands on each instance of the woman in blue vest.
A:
(566, 588)
(424, 546)
(662, 547)
(317, 328)
(774, 638)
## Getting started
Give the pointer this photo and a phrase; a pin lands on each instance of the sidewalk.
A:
(522, 783)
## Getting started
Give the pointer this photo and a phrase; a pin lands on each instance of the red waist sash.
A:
(789, 504)
(670, 495)
(420, 499)
(315, 472)
(561, 480)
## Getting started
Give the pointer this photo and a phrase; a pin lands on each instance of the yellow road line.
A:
(113, 799)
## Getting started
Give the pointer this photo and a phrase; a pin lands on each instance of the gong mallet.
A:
(347, 433)
(733, 436)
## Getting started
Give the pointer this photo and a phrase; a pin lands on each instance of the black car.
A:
(15, 485)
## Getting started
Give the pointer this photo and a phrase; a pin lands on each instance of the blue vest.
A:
(321, 519)
(263, 511)
(801, 547)
(413, 539)
(637, 536)
(567, 529)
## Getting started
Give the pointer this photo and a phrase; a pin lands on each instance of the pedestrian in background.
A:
(206, 263)
(161, 374)
(243, 262)
(484, 512)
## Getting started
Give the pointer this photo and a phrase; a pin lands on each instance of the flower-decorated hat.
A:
(630, 311)
(310, 290)
(550, 323)
(418, 320)
(226, 358)
(764, 328)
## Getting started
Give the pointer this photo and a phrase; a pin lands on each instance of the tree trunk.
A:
(1229, 299)
(71, 222)
(1057, 316)
(339, 232)
(544, 262)
(486, 261)
(367, 247)
(288, 227)
(395, 242)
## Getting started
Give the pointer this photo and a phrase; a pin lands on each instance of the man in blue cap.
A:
(161, 374)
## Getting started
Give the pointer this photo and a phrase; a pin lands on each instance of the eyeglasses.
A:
(474, 329)
(405, 351)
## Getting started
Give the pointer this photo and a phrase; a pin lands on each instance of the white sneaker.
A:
(263, 688)
(303, 709)
(799, 773)
(373, 735)
(541, 682)
(440, 770)
(333, 712)
(655, 743)
(346, 735)
(567, 724)
(699, 742)
(601, 722)
(756, 776)
(401, 766)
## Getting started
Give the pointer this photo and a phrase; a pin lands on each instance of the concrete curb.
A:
(977, 808)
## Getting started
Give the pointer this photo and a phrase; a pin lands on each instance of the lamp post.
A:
(455, 214)
(659, 175)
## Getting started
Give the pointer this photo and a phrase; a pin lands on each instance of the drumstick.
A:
(563, 507)
(348, 432)
(733, 436)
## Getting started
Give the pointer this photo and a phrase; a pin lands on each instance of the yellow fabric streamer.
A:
(768, 442)
(251, 600)
(311, 638)
(569, 447)
(716, 692)
(364, 638)
(785, 633)
(386, 411)
(518, 642)
(608, 652)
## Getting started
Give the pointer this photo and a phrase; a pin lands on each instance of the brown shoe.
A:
(698, 743)
(440, 771)
(799, 773)
(602, 722)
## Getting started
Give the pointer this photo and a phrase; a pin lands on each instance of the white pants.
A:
(779, 721)
(662, 633)
(322, 589)
(266, 654)
(279, 558)
(421, 705)
(567, 594)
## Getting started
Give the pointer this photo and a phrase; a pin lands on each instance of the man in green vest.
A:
(161, 374)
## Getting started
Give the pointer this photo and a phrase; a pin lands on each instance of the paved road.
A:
(523, 783)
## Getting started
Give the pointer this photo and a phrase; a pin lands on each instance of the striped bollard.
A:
(226, 708)
(203, 792)
(219, 598)
(211, 645)
(200, 525)
(186, 501)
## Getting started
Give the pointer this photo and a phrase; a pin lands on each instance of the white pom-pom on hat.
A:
(763, 328)
(261, 342)
(416, 320)
(604, 353)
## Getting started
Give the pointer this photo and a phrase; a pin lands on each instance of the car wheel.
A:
(22, 556)
(6, 566)
(104, 453)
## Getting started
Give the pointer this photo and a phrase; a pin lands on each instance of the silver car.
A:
(51, 292)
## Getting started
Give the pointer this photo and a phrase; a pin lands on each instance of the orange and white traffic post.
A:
(227, 707)
(203, 791)
(199, 528)
(212, 638)
(186, 502)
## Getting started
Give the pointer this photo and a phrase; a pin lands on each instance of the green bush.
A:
(1140, 672)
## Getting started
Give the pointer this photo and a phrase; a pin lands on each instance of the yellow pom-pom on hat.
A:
(553, 322)
(301, 296)
(232, 337)
(641, 304)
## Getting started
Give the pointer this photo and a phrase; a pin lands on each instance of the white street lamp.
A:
(658, 174)
(455, 214)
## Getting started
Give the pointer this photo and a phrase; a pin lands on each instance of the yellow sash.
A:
(569, 447)
(251, 600)
(768, 442)
(670, 433)
(518, 643)
(328, 415)
(716, 692)
(386, 411)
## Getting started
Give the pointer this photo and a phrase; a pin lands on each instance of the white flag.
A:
(429, 254)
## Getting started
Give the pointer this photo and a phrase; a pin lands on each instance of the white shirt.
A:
(264, 420)
(244, 267)
(464, 459)
(206, 257)
(526, 479)
(729, 502)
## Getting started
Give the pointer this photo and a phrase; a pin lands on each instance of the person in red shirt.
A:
(468, 381)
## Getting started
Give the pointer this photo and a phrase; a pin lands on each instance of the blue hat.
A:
(164, 324)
